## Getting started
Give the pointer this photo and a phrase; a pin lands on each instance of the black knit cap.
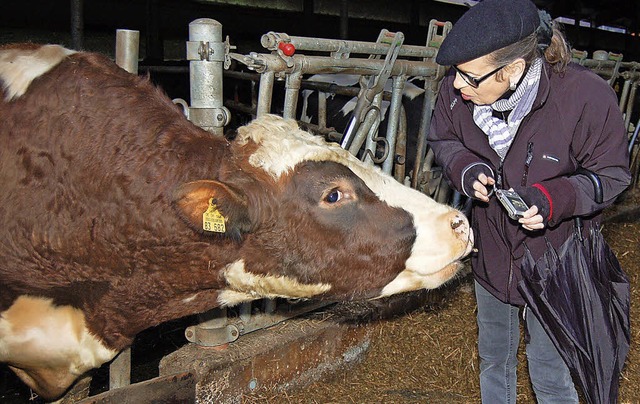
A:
(486, 27)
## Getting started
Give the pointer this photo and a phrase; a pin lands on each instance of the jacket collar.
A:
(544, 86)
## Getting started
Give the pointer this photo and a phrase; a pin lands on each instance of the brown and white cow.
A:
(105, 186)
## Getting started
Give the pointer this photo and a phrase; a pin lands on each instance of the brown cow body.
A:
(104, 188)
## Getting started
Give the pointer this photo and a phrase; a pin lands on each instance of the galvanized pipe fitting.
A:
(206, 55)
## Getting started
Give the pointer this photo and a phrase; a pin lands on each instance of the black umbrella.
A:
(580, 295)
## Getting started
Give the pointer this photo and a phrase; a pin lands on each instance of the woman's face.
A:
(489, 90)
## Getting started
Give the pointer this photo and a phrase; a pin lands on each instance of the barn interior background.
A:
(444, 320)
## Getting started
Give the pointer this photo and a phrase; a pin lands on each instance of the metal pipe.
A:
(629, 110)
(630, 75)
(265, 91)
(127, 47)
(400, 154)
(322, 109)
(624, 94)
(206, 54)
(367, 129)
(392, 122)
(292, 89)
(317, 64)
(77, 24)
(344, 19)
(271, 40)
(370, 143)
(430, 91)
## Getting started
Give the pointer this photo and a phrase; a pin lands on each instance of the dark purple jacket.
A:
(575, 121)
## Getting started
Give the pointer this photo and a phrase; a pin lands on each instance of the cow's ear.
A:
(193, 199)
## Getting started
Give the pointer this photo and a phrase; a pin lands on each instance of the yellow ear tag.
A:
(212, 219)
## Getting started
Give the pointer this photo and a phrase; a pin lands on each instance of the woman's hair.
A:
(557, 54)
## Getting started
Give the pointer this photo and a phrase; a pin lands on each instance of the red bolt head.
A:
(287, 48)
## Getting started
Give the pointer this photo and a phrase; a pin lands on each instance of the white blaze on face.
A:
(19, 67)
(443, 235)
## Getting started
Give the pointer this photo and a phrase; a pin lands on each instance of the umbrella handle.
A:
(595, 180)
(597, 189)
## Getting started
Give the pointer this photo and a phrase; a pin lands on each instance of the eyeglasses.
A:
(475, 81)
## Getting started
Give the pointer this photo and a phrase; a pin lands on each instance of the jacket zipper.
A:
(523, 182)
(527, 163)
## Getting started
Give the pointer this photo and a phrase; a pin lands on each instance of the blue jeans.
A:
(498, 339)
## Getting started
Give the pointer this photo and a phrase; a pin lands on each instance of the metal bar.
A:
(265, 92)
(77, 24)
(318, 64)
(624, 95)
(127, 47)
(367, 130)
(370, 143)
(392, 121)
(322, 109)
(400, 155)
(271, 40)
(430, 91)
(220, 329)
(205, 50)
(632, 98)
(127, 43)
(344, 19)
(292, 89)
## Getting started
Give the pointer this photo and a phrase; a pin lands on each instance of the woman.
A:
(514, 112)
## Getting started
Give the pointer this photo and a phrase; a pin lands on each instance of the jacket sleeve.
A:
(449, 150)
(599, 144)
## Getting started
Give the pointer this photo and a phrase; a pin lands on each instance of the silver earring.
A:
(512, 85)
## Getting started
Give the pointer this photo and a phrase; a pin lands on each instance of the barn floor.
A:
(426, 356)
(430, 355)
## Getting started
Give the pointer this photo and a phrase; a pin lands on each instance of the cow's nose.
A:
(460, 224)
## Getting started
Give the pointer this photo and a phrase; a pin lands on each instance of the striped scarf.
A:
(501, 133)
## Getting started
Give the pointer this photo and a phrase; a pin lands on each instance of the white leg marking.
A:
(34, 333)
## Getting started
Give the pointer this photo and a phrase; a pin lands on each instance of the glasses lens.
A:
(467, 79)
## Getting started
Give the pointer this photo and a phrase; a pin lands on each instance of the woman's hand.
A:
(483, 187)
(539, 212)
(532, 220)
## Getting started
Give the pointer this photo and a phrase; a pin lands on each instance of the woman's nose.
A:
(459, 82)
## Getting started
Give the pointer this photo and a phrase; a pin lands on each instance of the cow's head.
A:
(314, 221)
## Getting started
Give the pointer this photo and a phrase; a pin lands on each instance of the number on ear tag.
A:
(212, 219)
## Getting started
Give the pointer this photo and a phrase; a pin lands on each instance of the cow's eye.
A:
(333, 196)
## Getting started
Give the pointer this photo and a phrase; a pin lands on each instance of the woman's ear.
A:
(514, 72)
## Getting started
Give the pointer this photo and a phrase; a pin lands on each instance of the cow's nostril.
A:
(457, 222)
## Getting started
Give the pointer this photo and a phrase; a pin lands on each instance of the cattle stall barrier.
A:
(623, 76)
(611, 67)
(386, 59)
(209, 55)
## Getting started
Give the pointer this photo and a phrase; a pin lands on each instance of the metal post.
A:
(344, 19)
(206, 53)
(632, 97)
(430, 91)
(265, 92)
(392, 123)
(127, 44)
(292, 90)
(77, 25)
(127, 48)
